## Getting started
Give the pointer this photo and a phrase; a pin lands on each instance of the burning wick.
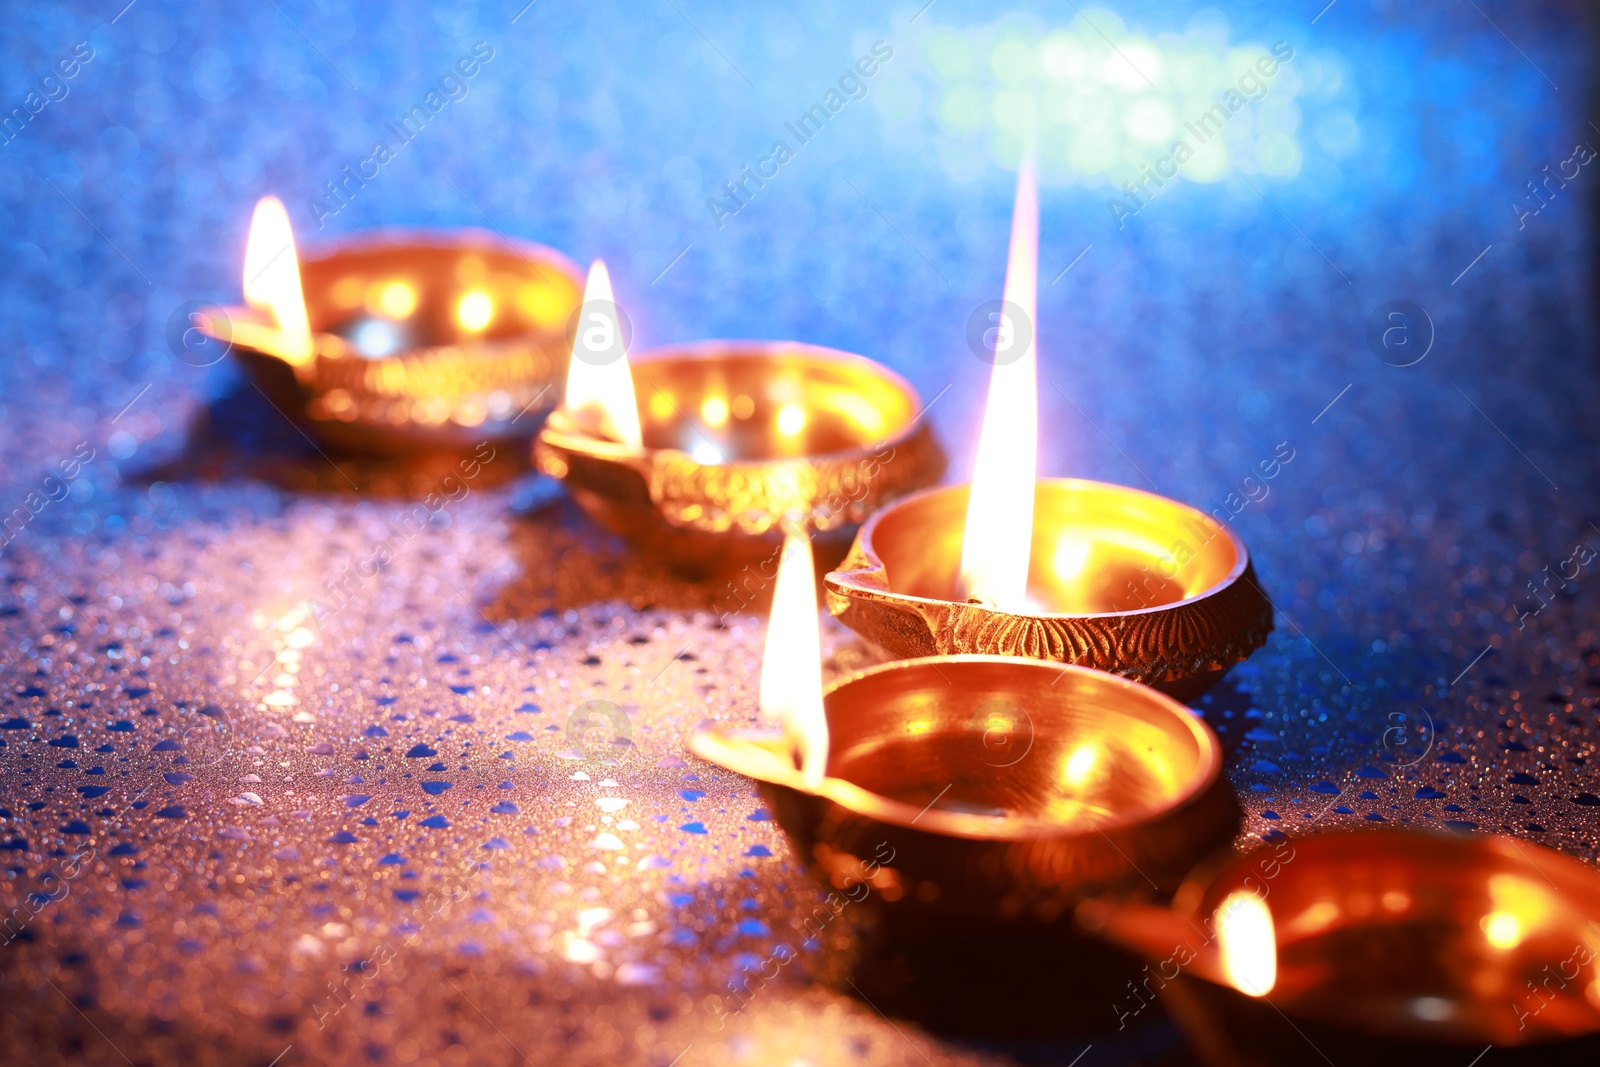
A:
(999, 530)
(791, 662)
(1249, 944)
(272, 279)
(600, 394)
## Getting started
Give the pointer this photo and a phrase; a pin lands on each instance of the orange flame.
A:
(1248, 943)
(599, 381)
(791, 663)
(272, 279)
(999, 529)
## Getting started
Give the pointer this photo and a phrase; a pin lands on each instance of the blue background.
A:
(1177, 352)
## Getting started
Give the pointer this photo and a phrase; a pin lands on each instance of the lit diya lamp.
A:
(699, 453)
(1374, 946)
(975, 793)
(397, 341)
(1057, 569)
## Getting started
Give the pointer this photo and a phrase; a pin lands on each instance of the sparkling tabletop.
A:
(254, 810)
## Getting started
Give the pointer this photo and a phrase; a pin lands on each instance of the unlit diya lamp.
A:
(1057, 569)
(1375, 946)
(699, 453)
(977, 797)
(396, 341)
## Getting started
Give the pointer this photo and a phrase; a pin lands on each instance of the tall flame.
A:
(599, 381)
(995, 545)
(791, 663)
(1248, 943)
(272, 279)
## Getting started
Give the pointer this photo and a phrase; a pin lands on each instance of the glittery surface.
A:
(263, 800)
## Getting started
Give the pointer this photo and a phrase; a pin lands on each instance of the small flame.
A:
(1503, 930)
(272, 279)
(791, 663)
(396, 299)
(714, 411)
(599, 381)
(999, 530)
(475, 310)
(1248, 943)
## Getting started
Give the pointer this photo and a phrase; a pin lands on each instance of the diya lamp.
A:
(1379, 946)
(977, 797)
(1056, 569)
(399, 341)
(699, 453)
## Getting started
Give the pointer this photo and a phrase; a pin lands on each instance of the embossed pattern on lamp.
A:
(1061, 569)
(395, 341)
(700, 452)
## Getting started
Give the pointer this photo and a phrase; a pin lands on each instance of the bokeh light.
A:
(1101, 101)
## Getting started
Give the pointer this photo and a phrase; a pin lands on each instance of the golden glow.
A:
(397, 299)
(861, 411)
(743, 407)
(919, 726)
(291, 637)
(1248, 944)
(272, 279)
(1071, 557)
(599, 381)
(1518, 905)
(346, 292)
(1315, 919)
(791, 419)
(791, 663)
(1502, 930)
(714, 410)
(999, 527)
(474, 310)
(1080, 765)
(545, 304)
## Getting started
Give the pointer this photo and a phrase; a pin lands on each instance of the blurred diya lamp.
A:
(962, 793)
(699, 453)
(1060, 569)
(1374, 946)
(399, 341)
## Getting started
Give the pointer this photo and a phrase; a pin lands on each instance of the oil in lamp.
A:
(1058, 569)
(1386, 946)
(699, 453)
(399, 341)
